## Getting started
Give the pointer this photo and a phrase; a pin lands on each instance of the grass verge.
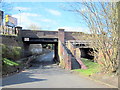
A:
(92, 67)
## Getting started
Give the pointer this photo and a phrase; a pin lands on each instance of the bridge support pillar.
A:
(61, 38)
(56, 58)
(18, 31)
(26, 49)
(61, 35)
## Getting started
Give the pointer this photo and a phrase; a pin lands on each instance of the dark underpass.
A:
(86, 53)
(42, 41)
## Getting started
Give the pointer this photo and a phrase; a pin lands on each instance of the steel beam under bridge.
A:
(40, 40)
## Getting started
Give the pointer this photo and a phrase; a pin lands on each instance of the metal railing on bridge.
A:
(80, 43)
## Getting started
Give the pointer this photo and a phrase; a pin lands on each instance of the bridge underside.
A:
(86, 53)
(28, 41)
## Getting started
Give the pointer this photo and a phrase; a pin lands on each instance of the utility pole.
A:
(20, 17)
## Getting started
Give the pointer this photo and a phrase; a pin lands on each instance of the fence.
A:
(8, 30)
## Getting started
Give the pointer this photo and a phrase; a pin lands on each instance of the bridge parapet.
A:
(64, 56)
(39, 34)
(76, 53)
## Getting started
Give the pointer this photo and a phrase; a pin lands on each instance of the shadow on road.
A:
(24, 77)
(40, 63)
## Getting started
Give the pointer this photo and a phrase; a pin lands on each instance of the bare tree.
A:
(34, 27)
(102, 20)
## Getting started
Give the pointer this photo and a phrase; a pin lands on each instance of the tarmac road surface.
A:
(45, 74)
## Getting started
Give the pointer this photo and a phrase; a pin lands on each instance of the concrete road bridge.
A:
(68, 45)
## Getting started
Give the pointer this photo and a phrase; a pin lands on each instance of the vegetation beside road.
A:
(10, 55)
(92, 67)
(9, 34)
(11, 60)
(95, 72)
(11, 52)
(103, 25)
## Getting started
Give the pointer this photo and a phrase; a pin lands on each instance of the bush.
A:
(9, 66)
(11, 52)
